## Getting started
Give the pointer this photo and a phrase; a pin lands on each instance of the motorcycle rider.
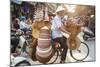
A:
(14, 40)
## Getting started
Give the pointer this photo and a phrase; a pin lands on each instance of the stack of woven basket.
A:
(73, 41)
(44, 49)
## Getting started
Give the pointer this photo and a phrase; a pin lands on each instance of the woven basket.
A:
(73, 41)
(36, 26)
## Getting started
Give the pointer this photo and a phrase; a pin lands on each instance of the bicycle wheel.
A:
(54, 57)
(81, 53)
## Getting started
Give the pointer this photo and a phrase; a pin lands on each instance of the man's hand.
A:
(67, 35)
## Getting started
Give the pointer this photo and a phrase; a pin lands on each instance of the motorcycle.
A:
(88, 34)
(89, 31)
(19, 49)
(19, 61)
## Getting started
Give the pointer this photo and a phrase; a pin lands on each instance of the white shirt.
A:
(56, 24)
(22, 25)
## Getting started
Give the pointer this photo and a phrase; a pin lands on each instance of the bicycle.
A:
(76, 54)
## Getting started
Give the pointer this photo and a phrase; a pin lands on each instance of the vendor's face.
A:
(61, 13)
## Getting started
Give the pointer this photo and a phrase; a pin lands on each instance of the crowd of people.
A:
(21, 23)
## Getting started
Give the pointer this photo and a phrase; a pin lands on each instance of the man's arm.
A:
(63, 30)
(61, 26)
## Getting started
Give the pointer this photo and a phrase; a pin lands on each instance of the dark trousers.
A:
(62, 42)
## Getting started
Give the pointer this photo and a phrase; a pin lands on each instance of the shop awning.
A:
(17, 1)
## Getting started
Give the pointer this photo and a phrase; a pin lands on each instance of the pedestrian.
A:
(16, 24)
(23, 24)
(14, 39)
(57, 29)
